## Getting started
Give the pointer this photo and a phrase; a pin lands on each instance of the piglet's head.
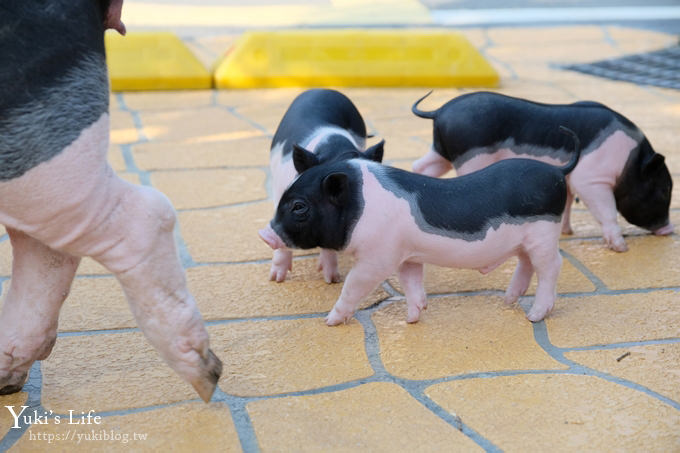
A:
(304, 159)
(319, 209)
(644, 196)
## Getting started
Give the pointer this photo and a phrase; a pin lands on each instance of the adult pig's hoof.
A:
(212, 370)
(13, 383)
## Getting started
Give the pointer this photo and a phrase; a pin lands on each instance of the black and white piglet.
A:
(619, 168)
(393, 220)
(319, 126)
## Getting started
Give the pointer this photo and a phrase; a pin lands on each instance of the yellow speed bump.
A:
(153, 61)
(353, 58)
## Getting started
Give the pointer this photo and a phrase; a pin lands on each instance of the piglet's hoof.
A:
(335, 317)
(13, 384)
(212, 370)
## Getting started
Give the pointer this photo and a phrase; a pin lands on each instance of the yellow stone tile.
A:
(447, 280)
(244, 290)
(168, 100)
(265, 115)
(249, 151)
(546, 36)
(95, 304)
(182, 428)
(123, 129)
(632, 40)
(458, 335)
(6, 420)
(210, 187)
(592, 320)
(615, 94)
(227, 234)
(585, 225)
(108, 372)
(655, 366)
(267, 98)
(272, 357)
(195, 126)
(650, 262)
(560, 413)
(579, 52)
(5, 258)
(88, 266)
(546, 93)
(664, 141)
(377, 417)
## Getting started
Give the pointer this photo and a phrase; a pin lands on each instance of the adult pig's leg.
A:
(41, 280)
(76, 204)
(144, 259)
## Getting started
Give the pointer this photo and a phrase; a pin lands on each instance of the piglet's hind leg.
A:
(520, 279)
(41, 280)
(547, 264)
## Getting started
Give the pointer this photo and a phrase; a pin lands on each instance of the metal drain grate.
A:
(659, 68)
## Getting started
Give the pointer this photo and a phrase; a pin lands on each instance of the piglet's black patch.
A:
(514, 191)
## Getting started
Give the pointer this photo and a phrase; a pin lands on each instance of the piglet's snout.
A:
(272, 239)
(665, 230)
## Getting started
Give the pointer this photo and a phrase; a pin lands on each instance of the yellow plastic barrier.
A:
(153, 61)
(377, 58)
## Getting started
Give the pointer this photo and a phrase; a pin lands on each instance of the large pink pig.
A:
(60, 200)
(619, 169)
(391, 220)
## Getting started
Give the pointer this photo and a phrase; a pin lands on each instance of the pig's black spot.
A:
(53, 79)
(643, 191)
(483, 122)
(513, 191)
(315, 109)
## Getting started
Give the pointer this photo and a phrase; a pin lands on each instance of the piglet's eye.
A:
(300, 208)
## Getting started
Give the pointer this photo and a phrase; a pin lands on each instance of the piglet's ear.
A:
(336, 187)
(653, 164)
(303, 159)
(375, 152)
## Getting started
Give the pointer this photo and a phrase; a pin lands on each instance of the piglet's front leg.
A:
(361, 280)
(600, 201)
(328, 264)
(411, 279)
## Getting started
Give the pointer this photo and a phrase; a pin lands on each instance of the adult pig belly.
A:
(58, 200)
(53, 117)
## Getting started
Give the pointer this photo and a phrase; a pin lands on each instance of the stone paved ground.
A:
(601, 373)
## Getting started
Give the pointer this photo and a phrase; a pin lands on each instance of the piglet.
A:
(60, 200)
(619, 168)
(319, 126)
(392, 220)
